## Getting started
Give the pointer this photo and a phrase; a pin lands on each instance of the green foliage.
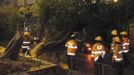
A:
(75, 15)
(36, 9)
(62, 14)
(35, 29)
(9, 19)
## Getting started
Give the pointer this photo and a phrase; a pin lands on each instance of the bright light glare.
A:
(115, 1)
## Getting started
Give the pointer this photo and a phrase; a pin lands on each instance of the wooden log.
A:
(13, 47)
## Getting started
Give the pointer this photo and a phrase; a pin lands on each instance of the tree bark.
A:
(13, 47)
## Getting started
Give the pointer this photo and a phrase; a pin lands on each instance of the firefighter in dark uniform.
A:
(26, 44)
(87, 48)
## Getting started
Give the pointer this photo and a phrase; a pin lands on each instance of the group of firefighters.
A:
(119, 46)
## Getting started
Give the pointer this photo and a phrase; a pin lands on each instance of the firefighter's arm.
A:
(66, 44)
(93, 49)
(121, 50)
(112, 48)
(103, 51)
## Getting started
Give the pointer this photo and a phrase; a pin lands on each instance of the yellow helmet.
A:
(117, 39)
(98, 38)
(26, 33)
(123, 33)
(114, 32)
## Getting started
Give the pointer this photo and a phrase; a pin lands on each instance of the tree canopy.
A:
(9, 19)
(74, 15)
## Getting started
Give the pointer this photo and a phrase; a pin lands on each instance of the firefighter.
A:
(125, 41)
(36, 40)
(117, 57)
(26, 43)
(125, 46)
(87, 48)
(98, 49)
(71, 48)
(114, 34)
(98, 52)
(117, 50)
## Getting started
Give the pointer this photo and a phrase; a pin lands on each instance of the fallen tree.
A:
(13, 47)
(61, 17)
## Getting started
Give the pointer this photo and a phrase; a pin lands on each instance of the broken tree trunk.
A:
(51, 42)
(13, 47)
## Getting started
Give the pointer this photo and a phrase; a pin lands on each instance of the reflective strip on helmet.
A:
(72, 47)
(71, 54)
(26, 42)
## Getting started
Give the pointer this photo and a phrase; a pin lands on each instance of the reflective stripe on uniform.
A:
(26, 42)
(124, 47)
(92, 55)
(89, 48)
(120, 52)
(125, 44)
(115, 56)
(25, 47)
(71, 54)
(98, 52)
(87, 45)
(96, 58)
(72, 47)
(125, 51)
(118, 59)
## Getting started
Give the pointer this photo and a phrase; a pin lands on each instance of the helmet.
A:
(98, 38)
(72, 35)
(117, 39)
(123, 33)
(114, 32)
(26, 33)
